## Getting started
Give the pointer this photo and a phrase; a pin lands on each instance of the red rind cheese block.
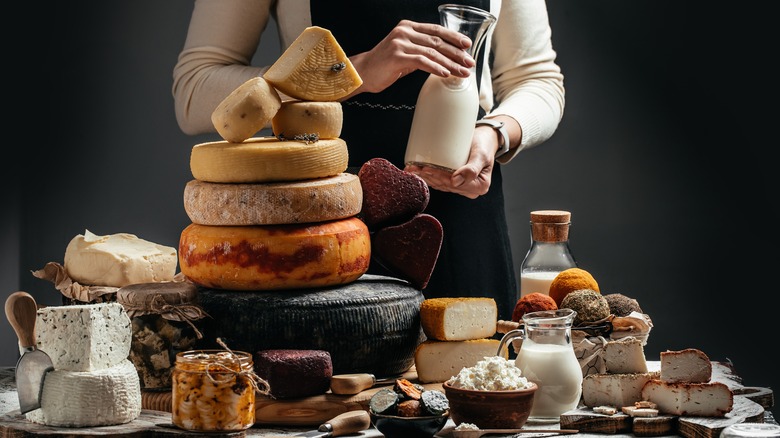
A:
(274, 257)
(294, 373)
(410, 250)
(371, 325)
(391, 196)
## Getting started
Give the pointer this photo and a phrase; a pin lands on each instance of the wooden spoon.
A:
(479, 432)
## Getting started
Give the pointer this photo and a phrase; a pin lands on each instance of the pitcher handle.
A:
(508, 336)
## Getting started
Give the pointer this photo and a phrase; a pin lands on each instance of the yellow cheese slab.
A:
(246, 110)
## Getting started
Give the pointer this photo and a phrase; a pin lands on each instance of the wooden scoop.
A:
(479, 432)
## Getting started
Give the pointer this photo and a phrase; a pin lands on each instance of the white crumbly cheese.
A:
(82, 399)
(467, 426)
(86, 337)
(625, 356)
(614, 389)
(117, 260)
(493, 373)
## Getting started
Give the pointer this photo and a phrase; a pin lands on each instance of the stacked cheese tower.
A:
(93, 382)
(459, 332)
(272, 213)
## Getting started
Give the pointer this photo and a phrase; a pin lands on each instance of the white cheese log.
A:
(96, 398)
(713, 399)
(438, 361)
(85, 337)
(625, 356)
(616, 390)
(688, 365)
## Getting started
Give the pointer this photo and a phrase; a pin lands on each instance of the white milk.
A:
(536, 281)
(559, 376)
(443, 123)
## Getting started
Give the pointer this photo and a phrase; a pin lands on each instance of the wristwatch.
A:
(503, 135)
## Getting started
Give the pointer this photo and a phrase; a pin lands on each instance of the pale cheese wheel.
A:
(246, 110)
(300, 119)
(313, 200)
(275, 257)
(266, 159)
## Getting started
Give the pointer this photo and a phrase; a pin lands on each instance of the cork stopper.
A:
(550, 225)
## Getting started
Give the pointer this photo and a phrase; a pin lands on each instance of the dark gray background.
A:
(662, 156)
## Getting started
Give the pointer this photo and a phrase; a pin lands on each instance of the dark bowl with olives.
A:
(409, 411)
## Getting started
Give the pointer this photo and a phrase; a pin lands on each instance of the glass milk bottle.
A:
(547, 358)
(549, 253)
(446, 109)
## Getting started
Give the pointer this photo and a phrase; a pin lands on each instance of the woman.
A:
(394, 45)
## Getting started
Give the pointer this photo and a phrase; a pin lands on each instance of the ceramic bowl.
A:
(490, 409)
(392, 426)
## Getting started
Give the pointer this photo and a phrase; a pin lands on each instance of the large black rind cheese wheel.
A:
(371, 325)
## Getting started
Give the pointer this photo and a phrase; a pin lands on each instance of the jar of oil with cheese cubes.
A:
(213, 390)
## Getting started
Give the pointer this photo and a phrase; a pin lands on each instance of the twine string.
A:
(259, 385)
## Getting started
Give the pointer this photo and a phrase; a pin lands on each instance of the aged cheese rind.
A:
(314, 67)
(86, 337)
(313, 200)
(246, 110)
(616, 390)
(713, 399)
(626, 355)
(688, 365)
(272, 257)
(371, 325)
(103, 397)
(438, 361)
(293, 373)
(459, 319)
(267, 159)
(117, 260)
(301, 118)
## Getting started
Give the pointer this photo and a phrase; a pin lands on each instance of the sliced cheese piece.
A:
(459, 319)
(117, 260)
(300, 119)
(270, 257)
(246, 110)
(314, 67)
(614, 389)
(688, 365)
(713, 399)
(626, 355)
(313, 200)
(266, 159)
(104, 397)
(438, 361)
(85, 337)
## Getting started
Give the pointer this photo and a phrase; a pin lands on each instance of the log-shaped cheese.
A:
(459, 319)
(246, 110)
(270, 257)
(266, 159)
(313, 200)
(712, 399)
(300, 119)
(616, 390)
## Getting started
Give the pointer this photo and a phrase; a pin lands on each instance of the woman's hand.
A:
(413, 46)
(473, 179)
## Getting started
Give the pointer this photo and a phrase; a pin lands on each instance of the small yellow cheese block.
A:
(315, 68)
(246, 110)
(301, 118)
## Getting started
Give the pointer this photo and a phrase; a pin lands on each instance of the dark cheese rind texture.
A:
(294, 373)
(391, 196)
(411, 249)
(370, 325)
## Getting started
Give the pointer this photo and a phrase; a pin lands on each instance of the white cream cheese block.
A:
(117, 260)
(92, 398)
(86, 337)
(626, 355)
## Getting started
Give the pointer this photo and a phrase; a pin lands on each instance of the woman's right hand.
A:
(413, 46)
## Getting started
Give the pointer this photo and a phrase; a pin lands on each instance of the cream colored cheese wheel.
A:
(298, 118)
(267, 159)
(313, 200)
(272, 257)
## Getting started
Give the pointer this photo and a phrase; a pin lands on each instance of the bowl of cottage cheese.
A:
(492, 394)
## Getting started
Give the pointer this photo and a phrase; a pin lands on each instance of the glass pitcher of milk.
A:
(547, 358)
(447, 108)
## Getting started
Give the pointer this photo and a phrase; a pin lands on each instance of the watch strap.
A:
(503, 134)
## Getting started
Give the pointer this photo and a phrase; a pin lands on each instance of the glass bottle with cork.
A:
(549, 253)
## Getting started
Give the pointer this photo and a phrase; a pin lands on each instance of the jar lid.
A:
(165, 298)
(751, 430)
(551, 216)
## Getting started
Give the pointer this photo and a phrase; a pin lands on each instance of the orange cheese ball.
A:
(532, 302)
(570, 280)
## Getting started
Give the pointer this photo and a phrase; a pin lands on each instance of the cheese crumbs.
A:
(492, 373)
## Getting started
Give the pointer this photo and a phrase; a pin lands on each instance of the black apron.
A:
(475, 258)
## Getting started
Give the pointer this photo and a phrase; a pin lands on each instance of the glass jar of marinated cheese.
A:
(213, 390)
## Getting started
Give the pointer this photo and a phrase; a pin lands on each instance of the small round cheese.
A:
(300, 118)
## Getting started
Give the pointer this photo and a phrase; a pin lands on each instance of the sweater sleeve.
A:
(527, 82)
(222, 37)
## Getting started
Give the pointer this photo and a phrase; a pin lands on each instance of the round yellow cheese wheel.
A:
(267, 159)
(301, 118)
(273, 257)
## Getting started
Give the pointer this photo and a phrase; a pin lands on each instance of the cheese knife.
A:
(32, 366)
(351, 384)
(346, 423)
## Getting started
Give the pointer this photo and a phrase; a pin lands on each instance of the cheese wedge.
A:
(438, 361)
(314, 67)
(266, 159)
(459, 319)
(246, 110)
(299, 119)
(687, 365)
(713, 399)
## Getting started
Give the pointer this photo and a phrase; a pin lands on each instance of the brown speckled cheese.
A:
(268, 257)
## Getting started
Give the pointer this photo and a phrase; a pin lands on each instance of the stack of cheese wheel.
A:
(278, 212)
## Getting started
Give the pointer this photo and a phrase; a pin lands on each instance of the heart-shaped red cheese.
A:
(409, 250)
(391, 196)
